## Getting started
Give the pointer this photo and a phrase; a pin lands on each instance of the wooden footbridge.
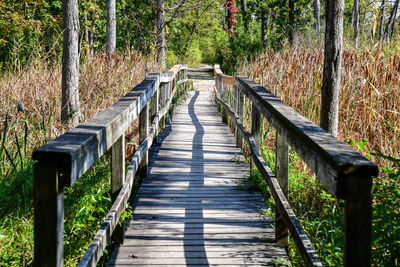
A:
(189, 210)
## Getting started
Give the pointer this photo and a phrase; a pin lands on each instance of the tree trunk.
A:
(161, 33)
(381, 20)
(391, 18)
(70, 107)
(332, 66)
(245, 15)
(264, 28)
(316, 13)
(291, 21)
(394, 20)
(189, 39)
(356, 20)
(91, 33)
(111, 28)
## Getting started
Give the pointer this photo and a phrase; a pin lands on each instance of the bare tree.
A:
(161, 33)
(381, 20)
(264, 27)
(356, 20)
(111, 28)
(316, 14)
(70, 107)
(332, 66)
(392, 18)
(245, 15)
(291, 21)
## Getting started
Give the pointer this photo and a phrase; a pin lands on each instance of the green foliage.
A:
(386, 214)
(87, 202)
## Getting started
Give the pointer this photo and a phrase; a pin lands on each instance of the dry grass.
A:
(38, 87)
(370, 95)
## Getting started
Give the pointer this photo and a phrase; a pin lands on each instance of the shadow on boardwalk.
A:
(188, 211)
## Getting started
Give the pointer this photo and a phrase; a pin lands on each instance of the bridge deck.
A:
(189, 210)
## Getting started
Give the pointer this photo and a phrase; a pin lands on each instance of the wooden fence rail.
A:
(62, 161)
(346, 173)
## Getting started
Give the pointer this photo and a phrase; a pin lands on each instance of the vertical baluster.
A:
(282, 175)
(234, 107)
(143, 133)
(177, 79)
(225, 99)
(163, 95)
(240, 112)
(49, 215)
(255, 127)
(118, 180)
(357, 222)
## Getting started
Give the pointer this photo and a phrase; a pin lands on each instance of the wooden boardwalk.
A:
(189, 210)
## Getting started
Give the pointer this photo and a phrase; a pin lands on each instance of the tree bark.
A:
(332, 66)
(291, 21)
(381, 20)
(111, 28)
(70, 106)
(391, 18)
(394, 20)
(356, 20)
(245, 15)
(91, 32)
(264, 27)
(316, 13)
(189, 39)
(161, 33)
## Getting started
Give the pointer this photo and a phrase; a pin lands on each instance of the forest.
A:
(278, 44)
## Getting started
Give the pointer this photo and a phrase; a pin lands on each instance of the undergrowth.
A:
(29, 115)
(369, 120)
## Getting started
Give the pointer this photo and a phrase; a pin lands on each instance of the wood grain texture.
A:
(189, 210)
(287, 215)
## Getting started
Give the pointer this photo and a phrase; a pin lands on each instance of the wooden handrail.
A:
(346, 173)
(65, 159)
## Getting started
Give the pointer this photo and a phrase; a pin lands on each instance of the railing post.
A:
(163, 99)
(154, 108)
(357, 222)
(225, 98)
(184, 76)
(255, 127)
(239, 112)
(118, 180)
(282, 175)
(234, 106)
(48, 215)
(143, 133)
(177, 79)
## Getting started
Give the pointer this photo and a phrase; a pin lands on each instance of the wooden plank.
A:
(332, 160)
(282, 176)
(302, 242)
(143, 134)
(48, 216)
(77, 150)
(253, 248)
(118, 180)
(176, 208)
(103, 235)
(191, 261)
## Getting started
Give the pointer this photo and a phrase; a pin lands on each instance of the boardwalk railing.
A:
(346, 173)
(64, 160)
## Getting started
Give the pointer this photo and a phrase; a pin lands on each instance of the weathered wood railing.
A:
(346, 173)
(65, 159)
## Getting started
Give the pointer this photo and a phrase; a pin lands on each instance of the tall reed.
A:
(370, 90)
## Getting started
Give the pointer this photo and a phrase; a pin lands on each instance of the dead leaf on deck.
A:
(133, 255)
(221, 173)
